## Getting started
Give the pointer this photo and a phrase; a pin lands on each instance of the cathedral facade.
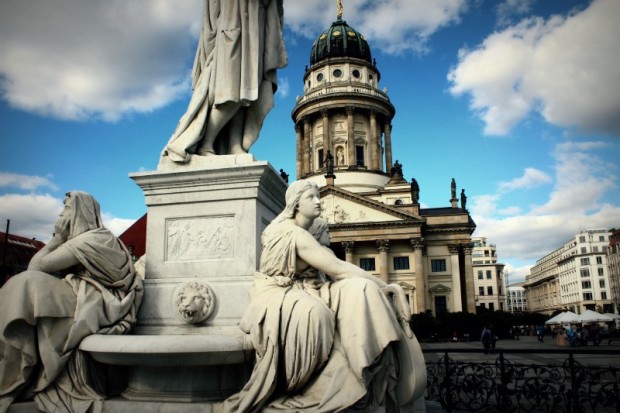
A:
(344, 144)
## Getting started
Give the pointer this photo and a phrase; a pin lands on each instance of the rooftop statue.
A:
(453, 189)
(234, 79)
(328, 336)
(43, 318)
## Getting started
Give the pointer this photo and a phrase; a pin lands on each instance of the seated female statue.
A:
(328, 336)
(43, 317)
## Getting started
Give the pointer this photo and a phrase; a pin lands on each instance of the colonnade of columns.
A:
(374, 159)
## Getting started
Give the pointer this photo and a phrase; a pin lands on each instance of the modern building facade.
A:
(489, 278)
(344, 144)
(517, 301)
(573, 277)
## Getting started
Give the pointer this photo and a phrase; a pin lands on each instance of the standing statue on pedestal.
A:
(397, 169)
(328, 336)
(43, 318)
(453, 189)
(329, 163)
(463, 200)
(234, 79)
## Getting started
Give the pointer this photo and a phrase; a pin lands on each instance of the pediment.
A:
(439, 289)
(343, 207)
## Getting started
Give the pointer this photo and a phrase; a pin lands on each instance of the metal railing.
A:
(502, 385)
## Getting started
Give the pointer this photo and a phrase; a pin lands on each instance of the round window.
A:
(356, 73)
(337, 73)
(369, 77)
(319, 77)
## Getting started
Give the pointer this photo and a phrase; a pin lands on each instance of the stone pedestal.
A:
(203, 246)
(204, 225)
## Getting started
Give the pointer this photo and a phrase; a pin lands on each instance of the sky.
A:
(517, 100)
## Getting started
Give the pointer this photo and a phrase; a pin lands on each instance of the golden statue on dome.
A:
(339, 8)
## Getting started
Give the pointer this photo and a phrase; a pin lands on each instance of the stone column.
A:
(420, 278)
(351, 135)
(457, 288)
(383, 245)
(349, 249)
(469, 279)
(307, 146)
(300, 149)
(326, 137)
(388, 146)
(379, 148)
(374, 144)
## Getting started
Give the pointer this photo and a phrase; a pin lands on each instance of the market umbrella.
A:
(590, 316)
(614, 316)
(562, 318)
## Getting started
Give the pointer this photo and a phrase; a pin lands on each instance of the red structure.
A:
(134, 238)
(15, 254)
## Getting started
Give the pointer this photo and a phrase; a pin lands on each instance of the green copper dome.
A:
(340, 40)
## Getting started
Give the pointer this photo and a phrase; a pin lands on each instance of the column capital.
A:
(348, 246)
(306, 120)
(350, 110)
(298, 128)
(383, 245)
(454, 248)
(324, 113)
(417, 243)
(373, 113)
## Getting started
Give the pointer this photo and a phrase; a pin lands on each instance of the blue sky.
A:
(518, 100)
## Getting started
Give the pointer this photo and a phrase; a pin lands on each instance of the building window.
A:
(438, 265)
(441, 304)
(601, 237)
(585, 261)
(480, 277)
(319, 77)
(359, 155)
(584, 250)
(603, 295)
(582, 239)
(585, 272)
(489, 275)
(601, 272)
(401, 263)
(480, 290)
(586, 285)
(599, 260)
(492, 306)
(595, 249)
(337, 73)
(490, 290)
(356, 73)
(601, 283)
(367, 264)
(486, 253)
(587, 296)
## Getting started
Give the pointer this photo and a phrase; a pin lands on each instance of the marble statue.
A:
(415, 191)
(234, 79)
(453, 189)
(397, 169)
(329, 163)
(43, 317)
(328, 336)
(463, 200)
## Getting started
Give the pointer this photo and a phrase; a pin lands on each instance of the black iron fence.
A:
(565, 382)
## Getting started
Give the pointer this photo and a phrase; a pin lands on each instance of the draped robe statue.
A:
(43, 318)
(234, 79)
(328, 336)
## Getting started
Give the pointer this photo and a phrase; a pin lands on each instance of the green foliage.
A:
(445, 325)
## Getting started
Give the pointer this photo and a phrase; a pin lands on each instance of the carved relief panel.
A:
(200, 238)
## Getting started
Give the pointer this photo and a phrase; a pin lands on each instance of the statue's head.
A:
(293, 196)
(81, 213)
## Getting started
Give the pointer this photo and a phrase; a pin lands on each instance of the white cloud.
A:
(31, 216)
(565, 68)
(511, 8)
(25, 182)
(284, 87)
(34, 216)
(575, 203)
(73, 59)
(531, 177)
(394, 26)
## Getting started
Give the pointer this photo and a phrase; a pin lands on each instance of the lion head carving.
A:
(194, 301)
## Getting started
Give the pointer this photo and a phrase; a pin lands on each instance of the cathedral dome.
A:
(340, 40)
